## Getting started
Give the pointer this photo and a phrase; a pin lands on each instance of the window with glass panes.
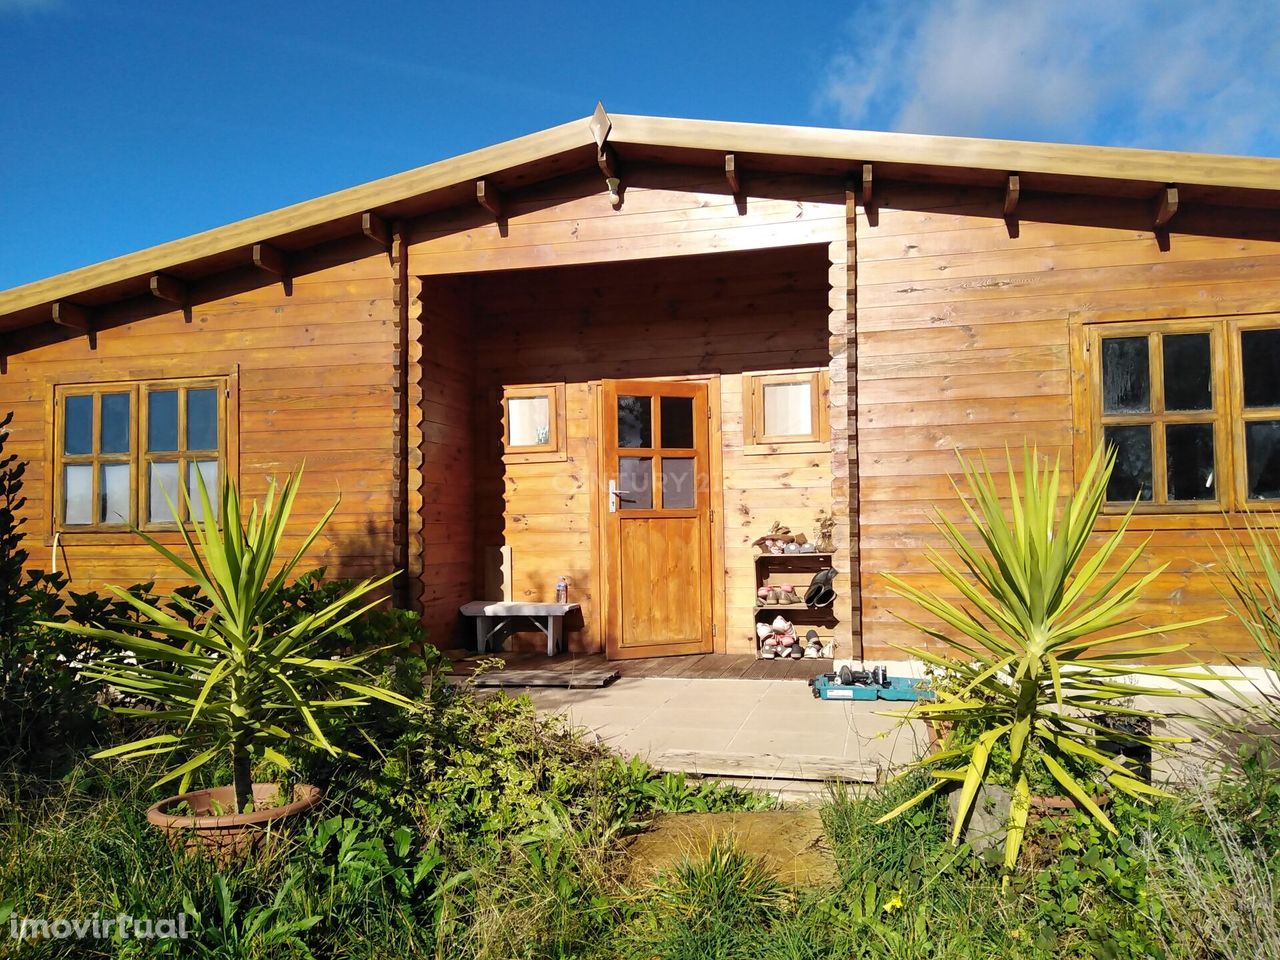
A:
(126, 451)
(1192, 410)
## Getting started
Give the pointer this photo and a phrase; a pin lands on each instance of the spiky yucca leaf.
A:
(1031, 647)
(236, 680)
(1253, 575)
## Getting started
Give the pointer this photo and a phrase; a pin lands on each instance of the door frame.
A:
(602, 589)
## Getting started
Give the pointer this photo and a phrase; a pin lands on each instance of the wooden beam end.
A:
(270, 259)
(1166, 205)
(376, 228)
(71, 316)
(731, 174)
(487, 196)
(1012, 193)
(164, 287)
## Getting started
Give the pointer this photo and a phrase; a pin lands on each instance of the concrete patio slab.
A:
(739, 724)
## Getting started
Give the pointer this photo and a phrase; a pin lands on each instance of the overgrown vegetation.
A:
(44, 711)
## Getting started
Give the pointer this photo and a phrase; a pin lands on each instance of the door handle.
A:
(615, 495)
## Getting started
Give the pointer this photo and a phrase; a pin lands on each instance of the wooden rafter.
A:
(376, 229)
(71, 316)
(165, 287)
(866, 189)
(487, 196)
(1166, 205)
(731, 174)
(607, 160)
(1012, 192)
(270, 259)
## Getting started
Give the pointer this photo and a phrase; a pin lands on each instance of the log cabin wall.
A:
(964, 338)
(668, 214)
(448, 456)
(313, 379)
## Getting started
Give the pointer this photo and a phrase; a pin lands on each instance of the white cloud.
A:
(1176, 74)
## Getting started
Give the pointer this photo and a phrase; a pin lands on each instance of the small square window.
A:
(785, 409)
(533, 421)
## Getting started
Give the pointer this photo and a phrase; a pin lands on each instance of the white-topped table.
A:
(491, 616)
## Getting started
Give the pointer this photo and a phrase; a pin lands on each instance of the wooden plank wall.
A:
(963, 341)
(666, 212)
(316, 382)
(726, 314)
(448, 456)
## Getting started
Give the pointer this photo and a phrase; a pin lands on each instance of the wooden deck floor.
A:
(711, 666)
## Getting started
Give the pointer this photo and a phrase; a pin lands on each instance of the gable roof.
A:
(1231, 180)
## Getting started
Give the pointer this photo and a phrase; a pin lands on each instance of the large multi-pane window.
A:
(1192, 409)
(126, 451)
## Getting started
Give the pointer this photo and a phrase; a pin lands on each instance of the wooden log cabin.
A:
(618, 350)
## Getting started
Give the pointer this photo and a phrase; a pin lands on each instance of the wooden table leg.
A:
(482, 634)
(556, 644)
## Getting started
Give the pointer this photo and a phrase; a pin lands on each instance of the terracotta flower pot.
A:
(224, 836)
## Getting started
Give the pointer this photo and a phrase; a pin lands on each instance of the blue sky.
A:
(131, 123)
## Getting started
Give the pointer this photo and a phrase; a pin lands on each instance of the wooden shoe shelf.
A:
(797, 569)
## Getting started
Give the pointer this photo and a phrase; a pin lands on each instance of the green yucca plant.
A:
(225, 666)
(1033, 652)
(1253, 575)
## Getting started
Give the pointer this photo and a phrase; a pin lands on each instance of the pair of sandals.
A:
(775, 596)
(820, 592)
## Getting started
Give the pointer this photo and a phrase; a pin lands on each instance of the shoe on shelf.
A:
(820, 593)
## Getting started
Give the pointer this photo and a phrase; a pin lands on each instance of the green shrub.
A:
(45, 712)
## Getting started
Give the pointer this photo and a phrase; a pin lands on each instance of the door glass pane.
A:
(202, 419)
(677, 421)
(635, 483)
(79, 427)
(113, 493)
(162, 420)
(1189, 454)
(1126, 375)
(1186, 372)
(635, 422)
(206, 470)
(1262, 446)
(163, 480)
(113, 436)
(1131, 478)
(788, 409)
(528, 421)
(77, 487)
(1260, 362)
(679, 483)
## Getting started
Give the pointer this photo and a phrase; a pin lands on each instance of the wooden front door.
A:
(657, 518)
